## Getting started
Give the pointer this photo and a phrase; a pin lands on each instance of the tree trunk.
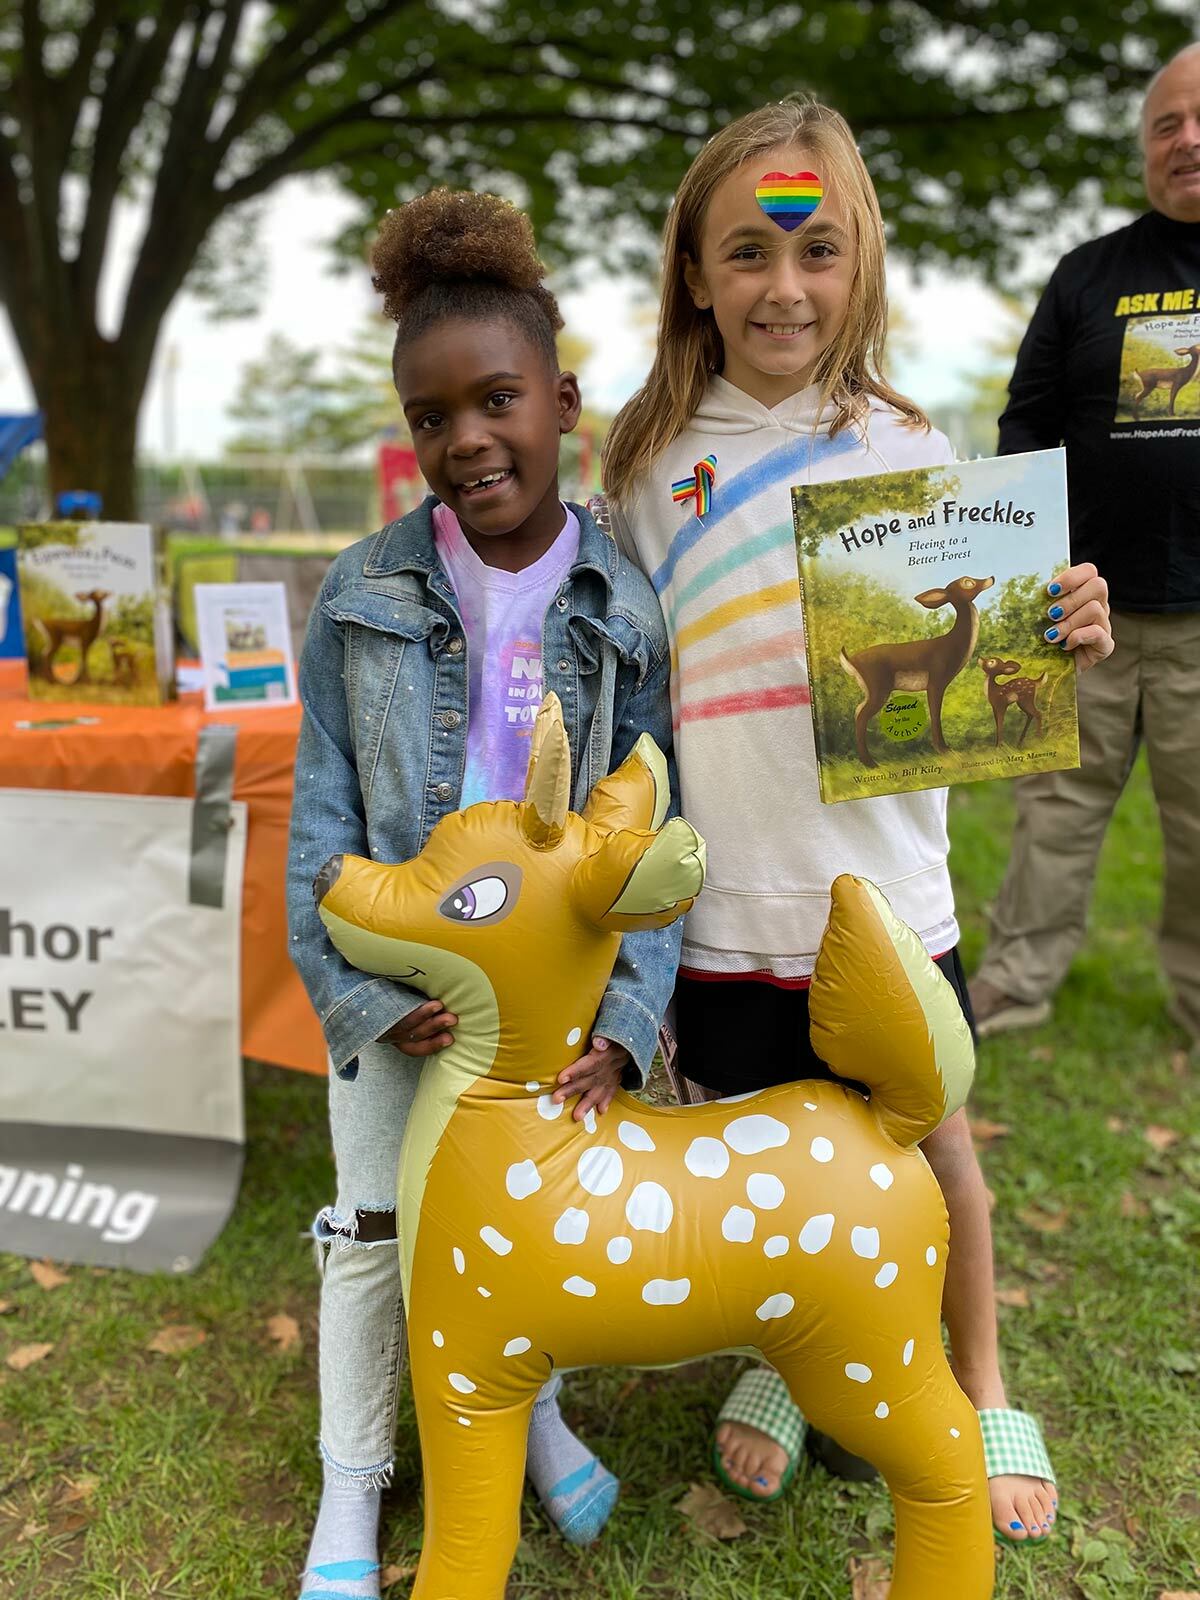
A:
(91, 406)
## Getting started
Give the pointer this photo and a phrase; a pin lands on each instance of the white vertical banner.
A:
(121, 1127)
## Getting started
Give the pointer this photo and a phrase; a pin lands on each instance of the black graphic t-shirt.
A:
(1110, 367)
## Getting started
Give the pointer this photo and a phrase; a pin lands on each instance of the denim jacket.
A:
(383, 681)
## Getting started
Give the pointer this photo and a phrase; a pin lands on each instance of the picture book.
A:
(245, 644)
(96, 612)
(925, 613)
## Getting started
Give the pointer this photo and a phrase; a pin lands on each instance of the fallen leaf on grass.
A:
(1182, 1362)
(869, 1579)
(30, 1531)
(1046, 1271)
(285, 1331)
(1131, 1206)
(80, 1489)
(1012, 1297)
(26, 1354)
(394, 1574)
(626, 1389)
(6, 1308)
(1179, 1063)
(1041, 1052)
(1180, 1594)
(175, 1337)
(707, 1509)
(1115, 1124)
(1045, 1221)
(1161, 1139)
(983, 1131)
(46, 1275)
(1133, 1525)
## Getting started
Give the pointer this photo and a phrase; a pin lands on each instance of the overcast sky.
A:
(952, 320)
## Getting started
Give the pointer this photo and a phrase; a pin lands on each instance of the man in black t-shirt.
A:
(1110, 367)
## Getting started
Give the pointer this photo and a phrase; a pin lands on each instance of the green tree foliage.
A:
(280, 400)
(981, 124)
(822, 509)
(131, 618)
(1016, 622)
(41, 596)
(988, 387)
(288, 403)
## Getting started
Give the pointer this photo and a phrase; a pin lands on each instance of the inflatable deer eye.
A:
(802, 1222)
(485, 897)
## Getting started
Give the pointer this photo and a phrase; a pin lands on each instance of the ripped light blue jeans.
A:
(362, 1310)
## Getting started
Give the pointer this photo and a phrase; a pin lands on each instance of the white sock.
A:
(577, 1493)
(343, 1558)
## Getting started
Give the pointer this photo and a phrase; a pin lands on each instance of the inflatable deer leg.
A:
(474, 1475)
(939, 1514)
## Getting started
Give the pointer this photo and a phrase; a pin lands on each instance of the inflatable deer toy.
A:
(802, 1223)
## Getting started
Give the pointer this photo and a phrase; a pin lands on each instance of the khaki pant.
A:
(1148, 689)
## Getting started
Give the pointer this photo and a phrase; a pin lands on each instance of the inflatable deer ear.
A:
(548, 785)
(638, 874)
(641, 874)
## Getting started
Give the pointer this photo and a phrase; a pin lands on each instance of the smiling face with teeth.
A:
(487, 412)
(1171, 138)
(778, 298)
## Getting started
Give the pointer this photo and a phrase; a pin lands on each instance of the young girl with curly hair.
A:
(429, 648)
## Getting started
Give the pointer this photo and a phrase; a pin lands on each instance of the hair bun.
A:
(453, 236)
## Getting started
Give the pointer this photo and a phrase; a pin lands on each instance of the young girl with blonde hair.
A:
(768, 373)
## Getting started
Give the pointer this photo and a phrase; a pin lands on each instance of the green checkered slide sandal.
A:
(1013, 1447)
(761, 1400)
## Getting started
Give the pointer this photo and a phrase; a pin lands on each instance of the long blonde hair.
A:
(690, 348)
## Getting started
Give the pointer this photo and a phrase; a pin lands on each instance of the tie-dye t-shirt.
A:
(502, 616)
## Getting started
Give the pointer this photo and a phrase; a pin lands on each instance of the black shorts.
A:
(739, 1035)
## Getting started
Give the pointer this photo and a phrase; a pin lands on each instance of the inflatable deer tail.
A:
(884, 1016)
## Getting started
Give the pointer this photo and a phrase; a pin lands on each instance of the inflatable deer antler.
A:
(803, 1223)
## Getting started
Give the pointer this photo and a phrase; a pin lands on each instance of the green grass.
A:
(196, 1473)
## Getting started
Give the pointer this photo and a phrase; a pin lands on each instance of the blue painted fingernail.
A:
(1017, 1527)
(1052, 633)
(1054, 588)
(1055, 613)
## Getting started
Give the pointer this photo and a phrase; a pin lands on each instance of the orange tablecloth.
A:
(152, 750)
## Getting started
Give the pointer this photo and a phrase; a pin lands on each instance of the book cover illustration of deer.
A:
(1160, 370)
(924, 596)
(96, 618)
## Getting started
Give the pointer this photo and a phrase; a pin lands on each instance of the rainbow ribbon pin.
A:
(699, 484)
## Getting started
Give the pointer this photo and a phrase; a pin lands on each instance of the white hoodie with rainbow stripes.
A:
(743, 719)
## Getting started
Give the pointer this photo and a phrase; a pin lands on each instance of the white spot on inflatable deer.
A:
(801, 1222)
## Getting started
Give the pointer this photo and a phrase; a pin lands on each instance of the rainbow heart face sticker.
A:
(789, 198)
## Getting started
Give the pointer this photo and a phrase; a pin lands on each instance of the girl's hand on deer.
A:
(1078, 613)
(595, 1077)
(423, 1032)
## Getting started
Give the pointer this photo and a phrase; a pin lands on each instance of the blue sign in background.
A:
(12, 642)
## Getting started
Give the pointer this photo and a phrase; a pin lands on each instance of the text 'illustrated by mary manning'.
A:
(925, 618)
